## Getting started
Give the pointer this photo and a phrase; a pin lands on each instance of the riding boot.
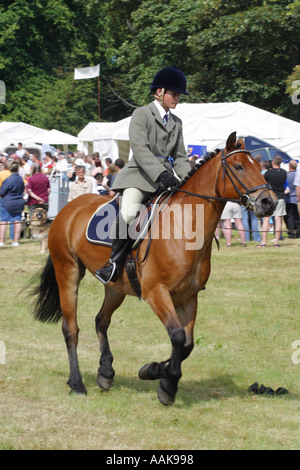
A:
(120, 245)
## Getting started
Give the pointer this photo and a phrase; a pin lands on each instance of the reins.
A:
(231, 175)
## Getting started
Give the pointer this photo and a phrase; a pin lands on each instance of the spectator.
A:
(232, 210)
(100, 188)
(38, 190)
(97, 170)
(266, 165)
(26, 166)
(61, 167)
(3, 158)
(81, 185)
(21, 151)
(35, 159)
(292, 218)
(250, 224)
(49, 163)
(89, 165)
(249, 219)
(297, 185)
(5, 173)
(108, 162)
(11, 192)
(113, 170)
(276, 177)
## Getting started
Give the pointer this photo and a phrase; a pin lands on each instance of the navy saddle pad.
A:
(99, 226)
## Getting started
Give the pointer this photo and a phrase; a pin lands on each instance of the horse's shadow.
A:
(189, 391)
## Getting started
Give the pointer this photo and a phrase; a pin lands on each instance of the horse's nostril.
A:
(266, 202)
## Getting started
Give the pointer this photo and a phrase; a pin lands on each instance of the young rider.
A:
(159, 159)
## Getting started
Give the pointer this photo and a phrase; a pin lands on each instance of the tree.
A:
(246, 54)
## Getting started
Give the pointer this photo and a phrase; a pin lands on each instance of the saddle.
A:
(101, 224)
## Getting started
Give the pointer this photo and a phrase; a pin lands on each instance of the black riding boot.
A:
(120, 244)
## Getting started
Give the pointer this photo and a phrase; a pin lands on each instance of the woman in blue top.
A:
(11, 192)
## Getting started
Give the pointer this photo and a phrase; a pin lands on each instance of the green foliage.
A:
(244, 50)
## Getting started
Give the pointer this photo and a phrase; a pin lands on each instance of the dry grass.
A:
(248, 320)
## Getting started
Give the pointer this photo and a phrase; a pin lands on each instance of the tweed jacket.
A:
(152, 143)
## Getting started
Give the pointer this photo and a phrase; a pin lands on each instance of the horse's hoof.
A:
(105, 382)
(164, 397)
(79, 390)
(143, 372)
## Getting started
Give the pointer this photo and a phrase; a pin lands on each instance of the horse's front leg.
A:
(169, 372)
(112, 301)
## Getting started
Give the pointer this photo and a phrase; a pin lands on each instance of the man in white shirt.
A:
(21, 151)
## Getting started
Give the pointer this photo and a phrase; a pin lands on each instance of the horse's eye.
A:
(238, 167)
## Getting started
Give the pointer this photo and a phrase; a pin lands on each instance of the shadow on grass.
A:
(189, 392)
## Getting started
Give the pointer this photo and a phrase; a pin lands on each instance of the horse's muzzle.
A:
(264, 205)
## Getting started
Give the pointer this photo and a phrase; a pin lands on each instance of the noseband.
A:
(244, 197)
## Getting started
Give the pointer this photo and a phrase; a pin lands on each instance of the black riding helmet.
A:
(170, 78)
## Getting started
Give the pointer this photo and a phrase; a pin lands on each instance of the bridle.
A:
(244, 198)
(227, 170)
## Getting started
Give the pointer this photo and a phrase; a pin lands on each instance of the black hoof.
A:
(164, 398)
(104, 382)
(143, 372)
(78, 389)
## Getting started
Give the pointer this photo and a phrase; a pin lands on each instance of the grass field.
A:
(248, 320)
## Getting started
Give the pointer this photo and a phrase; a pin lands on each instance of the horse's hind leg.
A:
(112, 301)
(68, 279)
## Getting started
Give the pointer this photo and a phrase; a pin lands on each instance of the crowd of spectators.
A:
(284, 184)
(25, 185)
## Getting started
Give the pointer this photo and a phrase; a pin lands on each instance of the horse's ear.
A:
(230, 143)
(240, 143)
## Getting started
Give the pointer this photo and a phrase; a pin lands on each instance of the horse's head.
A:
(240, 178)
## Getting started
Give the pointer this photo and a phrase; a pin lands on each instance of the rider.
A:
(159, 159)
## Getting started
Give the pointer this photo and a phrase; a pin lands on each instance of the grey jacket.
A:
(152, 143)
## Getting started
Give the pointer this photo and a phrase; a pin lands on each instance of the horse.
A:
(170, 272)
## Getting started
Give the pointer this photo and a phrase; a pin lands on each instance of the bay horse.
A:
(170, 276)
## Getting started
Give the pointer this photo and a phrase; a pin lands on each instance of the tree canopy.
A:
(245, 50)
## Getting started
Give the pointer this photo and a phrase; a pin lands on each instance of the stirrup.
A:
(99, 273)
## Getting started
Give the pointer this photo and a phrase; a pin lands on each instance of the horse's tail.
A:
(47, 304)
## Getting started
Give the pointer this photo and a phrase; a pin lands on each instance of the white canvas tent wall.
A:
(206, 124)
(210, 124)
(14, 132)
(55, 137)
(110, 139)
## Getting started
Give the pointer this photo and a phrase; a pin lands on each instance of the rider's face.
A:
(171, 98)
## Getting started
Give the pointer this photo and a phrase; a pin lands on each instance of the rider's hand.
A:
(168, 180)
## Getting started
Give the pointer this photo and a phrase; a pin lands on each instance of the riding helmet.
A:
(170, 78)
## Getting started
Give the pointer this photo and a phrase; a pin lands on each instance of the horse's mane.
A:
(199, 164)
(203, 160)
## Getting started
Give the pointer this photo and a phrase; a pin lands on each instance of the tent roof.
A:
(56, 137)
(105, 131)
(210, 124)
(14, 132)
